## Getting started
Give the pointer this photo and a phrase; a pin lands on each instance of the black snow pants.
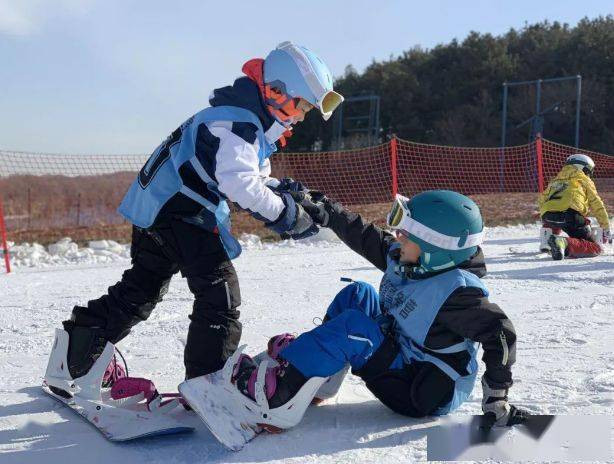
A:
(572, 223)
(157, 254)
(416, 390)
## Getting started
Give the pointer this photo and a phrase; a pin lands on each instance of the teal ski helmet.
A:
(446, 225)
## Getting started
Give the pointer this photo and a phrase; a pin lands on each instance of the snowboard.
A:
(118, 420)
(229, 421)
(528, 250)
(125, 421)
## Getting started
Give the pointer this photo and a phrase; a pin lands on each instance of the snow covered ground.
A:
(563, 313)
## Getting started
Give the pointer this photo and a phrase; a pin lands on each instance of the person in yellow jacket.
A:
(566, 203)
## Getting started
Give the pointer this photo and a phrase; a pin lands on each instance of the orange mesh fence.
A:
(554, 155)
(466, 170)
(352, 177)
(43, 191)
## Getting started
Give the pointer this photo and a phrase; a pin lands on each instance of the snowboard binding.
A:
(122, 408)
(235, 418)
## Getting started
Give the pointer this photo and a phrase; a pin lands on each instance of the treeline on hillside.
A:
(452, 94)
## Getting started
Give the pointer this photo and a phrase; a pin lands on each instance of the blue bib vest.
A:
(159, 180)
(414, 304)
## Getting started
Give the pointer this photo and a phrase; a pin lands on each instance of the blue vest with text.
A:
(414, 304)
(159, 179)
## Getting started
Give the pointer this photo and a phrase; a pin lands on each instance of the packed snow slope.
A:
(563, 313)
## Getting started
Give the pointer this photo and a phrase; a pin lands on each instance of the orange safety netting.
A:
(52, 191)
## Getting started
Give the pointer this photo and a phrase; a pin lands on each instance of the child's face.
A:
(410, 251)
(303, 107)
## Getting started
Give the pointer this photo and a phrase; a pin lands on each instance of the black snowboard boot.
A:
(84, 348)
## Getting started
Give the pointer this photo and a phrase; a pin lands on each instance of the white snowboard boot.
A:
(544, 235)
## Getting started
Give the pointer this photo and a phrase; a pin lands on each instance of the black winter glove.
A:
(288, 184)
(314, 204)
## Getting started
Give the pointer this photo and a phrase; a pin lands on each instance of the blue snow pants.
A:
(351, 335)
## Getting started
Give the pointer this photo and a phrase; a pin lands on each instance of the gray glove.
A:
(303, 227)
(314, 204)
(294, 222)
(495, 405)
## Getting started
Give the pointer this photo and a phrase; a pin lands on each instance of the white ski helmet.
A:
(582, 162)
(299, 72)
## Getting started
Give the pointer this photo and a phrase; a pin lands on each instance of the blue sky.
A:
(117, 76)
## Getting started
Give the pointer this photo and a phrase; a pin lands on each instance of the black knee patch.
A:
(431, 388)
(393, 388)
(416, 391)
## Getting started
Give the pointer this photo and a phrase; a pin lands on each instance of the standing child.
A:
(178, 205)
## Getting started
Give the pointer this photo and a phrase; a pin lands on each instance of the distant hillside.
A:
(452, 94)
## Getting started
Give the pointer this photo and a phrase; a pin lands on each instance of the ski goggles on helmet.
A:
(328, 102)
(400, 220)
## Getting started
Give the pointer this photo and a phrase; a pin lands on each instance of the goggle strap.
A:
(438, 239)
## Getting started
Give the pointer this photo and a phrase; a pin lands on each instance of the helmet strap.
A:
(275, 101)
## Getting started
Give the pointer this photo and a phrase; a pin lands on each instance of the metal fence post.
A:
(5, 247)
(393, 166)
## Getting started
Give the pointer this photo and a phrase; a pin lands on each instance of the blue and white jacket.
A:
(220, 153)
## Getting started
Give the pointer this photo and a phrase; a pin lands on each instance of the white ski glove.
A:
(607, 236)
(495, 404)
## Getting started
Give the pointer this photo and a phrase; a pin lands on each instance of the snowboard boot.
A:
(544, 235)
(558, 246)
(281, 382)
(329, 388)
(84, 348)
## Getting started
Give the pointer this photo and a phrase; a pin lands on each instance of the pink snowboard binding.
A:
(278, 343)
(139, 388)
(114, 372)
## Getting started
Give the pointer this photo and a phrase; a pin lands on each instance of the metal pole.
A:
(504, 116)
(578, 98)
(29, 208)
(370, 123)
(503, 133)
(78, 209)
(538, 97)
(377, 120)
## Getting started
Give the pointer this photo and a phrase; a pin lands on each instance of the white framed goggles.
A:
(399, 218)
